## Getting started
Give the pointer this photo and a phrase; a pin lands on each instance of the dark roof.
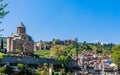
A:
(21, 25)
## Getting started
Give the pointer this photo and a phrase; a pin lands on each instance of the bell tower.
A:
(21, 29)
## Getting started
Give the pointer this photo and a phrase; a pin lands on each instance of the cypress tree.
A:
(1, 44)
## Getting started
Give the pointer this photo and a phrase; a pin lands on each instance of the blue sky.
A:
(89, 20)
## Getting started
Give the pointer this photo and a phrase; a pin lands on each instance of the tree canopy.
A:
(2, 9)
(116, 55)
(57, 50)
(1, 56)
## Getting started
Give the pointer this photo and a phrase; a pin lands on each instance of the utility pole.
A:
(102, 67)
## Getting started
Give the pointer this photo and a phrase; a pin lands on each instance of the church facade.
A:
(20, 40)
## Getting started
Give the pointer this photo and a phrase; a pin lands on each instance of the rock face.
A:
(20, 40)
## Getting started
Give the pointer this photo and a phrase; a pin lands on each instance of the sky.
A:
(89, 20)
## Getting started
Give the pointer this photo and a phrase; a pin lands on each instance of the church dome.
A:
(21, 25)
(21, 29)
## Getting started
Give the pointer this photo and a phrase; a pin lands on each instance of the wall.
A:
(32, 60)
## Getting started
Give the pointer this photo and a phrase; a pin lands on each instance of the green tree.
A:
(8, 70)
(20, 66)
(58, 50)
(1, 47)
(17, 50)
(1, 56)
(2, 9)
(116, 55)
(2, 69)
(62, 59)
(61, 53)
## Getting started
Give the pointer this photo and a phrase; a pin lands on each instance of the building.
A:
(46, 45)
(20, 40)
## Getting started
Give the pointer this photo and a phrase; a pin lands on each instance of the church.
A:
(20, 41)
